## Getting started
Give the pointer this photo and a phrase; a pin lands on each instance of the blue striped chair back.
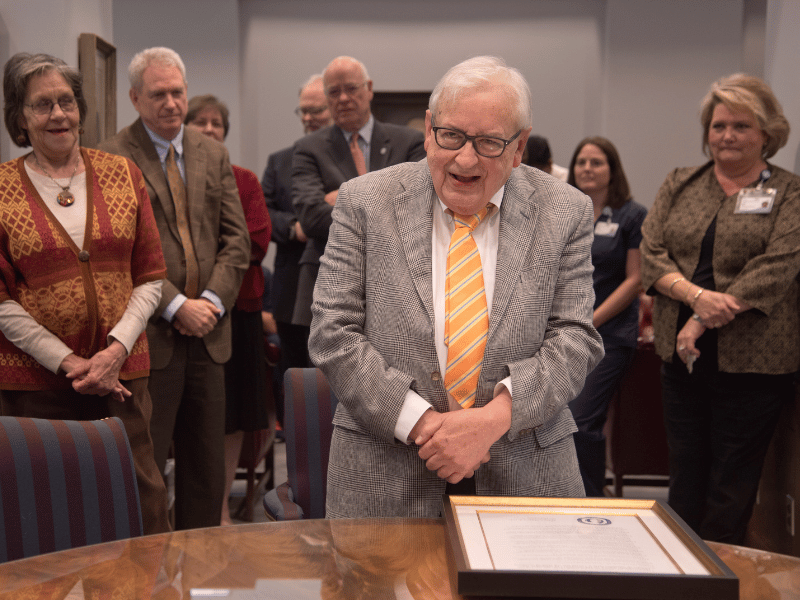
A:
(308, 427)
(65, 484)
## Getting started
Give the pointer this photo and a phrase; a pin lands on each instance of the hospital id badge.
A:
(755, 201)
(606, 229)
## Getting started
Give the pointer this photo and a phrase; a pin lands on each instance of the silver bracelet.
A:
(697, 318)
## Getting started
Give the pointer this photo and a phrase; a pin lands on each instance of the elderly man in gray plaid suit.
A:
(207, 250)
(385, 329)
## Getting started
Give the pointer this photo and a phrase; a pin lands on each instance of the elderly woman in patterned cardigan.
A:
(721, 251)
(80, 271)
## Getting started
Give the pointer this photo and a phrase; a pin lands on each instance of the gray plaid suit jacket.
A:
(216, 219)
(373, 336)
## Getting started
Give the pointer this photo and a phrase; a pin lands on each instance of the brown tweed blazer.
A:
(756, 259)
(216, 218)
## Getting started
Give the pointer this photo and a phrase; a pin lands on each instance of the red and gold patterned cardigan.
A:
(79, 294)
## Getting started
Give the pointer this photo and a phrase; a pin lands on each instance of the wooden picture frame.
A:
(97, 61)
(580, 548)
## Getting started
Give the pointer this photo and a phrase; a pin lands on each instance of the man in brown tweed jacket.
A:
(207, 250)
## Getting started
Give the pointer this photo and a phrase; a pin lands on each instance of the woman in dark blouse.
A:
(721, 249)
(596, 170)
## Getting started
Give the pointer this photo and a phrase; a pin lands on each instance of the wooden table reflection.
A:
(347, 559)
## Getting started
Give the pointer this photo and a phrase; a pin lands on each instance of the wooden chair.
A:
(308, 412)
(65, 484)
(637, 440)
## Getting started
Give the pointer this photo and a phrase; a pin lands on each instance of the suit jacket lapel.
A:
(340, 153)
(144, 155)
(413, 209)
(518, 214)
(380, 147)
(195, 160)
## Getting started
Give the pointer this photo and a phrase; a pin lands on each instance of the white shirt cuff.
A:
(413, 407)
(505, 382)
(209, 295)
(169, 312)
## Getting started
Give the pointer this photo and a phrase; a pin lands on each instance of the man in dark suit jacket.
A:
(381, 311)
(207, 249)
(288, 234)
(324, 160)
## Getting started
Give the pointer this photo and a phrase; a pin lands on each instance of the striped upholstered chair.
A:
(65, 484)
(309, 405)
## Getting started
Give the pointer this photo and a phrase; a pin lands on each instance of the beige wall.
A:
(632, 70)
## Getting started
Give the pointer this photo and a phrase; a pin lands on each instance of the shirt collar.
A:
(365, 132)
(496, 200)
(162, 144)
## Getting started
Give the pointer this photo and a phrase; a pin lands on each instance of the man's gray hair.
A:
(164, 57)
(313, 79)
(482, 71)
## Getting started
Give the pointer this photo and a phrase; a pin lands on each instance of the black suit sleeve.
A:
(278, 193)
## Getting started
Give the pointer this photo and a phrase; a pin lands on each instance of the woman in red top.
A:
(245, 372)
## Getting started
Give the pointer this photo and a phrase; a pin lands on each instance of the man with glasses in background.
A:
(355, 144)
(453, 314)
(289, 237)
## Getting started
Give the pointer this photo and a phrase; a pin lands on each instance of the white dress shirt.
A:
(162, 149)
(486, 236)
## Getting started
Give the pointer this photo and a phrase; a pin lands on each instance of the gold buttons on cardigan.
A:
(83, 256)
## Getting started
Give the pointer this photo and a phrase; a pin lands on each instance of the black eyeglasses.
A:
(349, 89)
(453, 139)
(45, 105)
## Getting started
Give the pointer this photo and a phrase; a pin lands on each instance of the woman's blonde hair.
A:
(741, 92)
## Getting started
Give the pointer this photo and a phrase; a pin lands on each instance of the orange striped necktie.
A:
(466, 314)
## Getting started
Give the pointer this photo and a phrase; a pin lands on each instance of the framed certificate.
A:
(608, 548)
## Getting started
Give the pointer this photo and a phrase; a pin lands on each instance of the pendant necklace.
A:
(65, 198)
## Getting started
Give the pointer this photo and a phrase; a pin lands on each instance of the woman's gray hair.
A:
(164, 57)
(740, 92)
(481, 71)
(19, 71)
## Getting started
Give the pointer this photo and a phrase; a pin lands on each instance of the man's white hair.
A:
(482, 71)
(165, 57)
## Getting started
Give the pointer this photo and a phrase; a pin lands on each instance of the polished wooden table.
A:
(347, 559)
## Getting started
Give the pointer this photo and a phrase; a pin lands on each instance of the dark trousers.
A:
(189, 410)
(719, 426)
(67, 404)
(590, 409)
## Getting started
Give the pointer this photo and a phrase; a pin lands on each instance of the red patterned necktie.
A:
(466, 314)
